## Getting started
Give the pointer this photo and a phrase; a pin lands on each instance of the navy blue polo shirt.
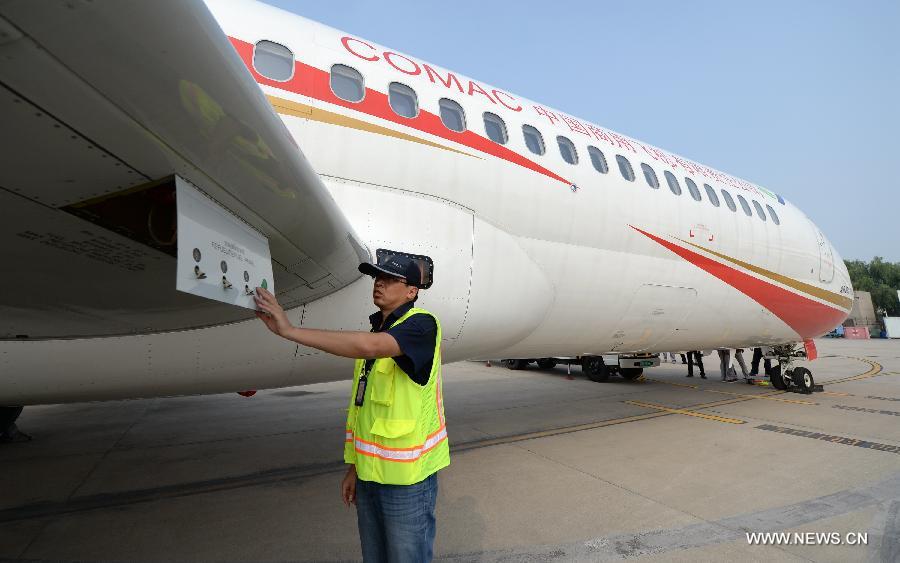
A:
(416, 338)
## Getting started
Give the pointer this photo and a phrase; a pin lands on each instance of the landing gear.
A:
(631, 373)
(9, 432)
(595, 369)
(803, 379)
(515, 364)
(546, 363)
(785, 378)
(776, 379)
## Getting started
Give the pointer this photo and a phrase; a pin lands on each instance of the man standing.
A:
(396, 436)
(739, 356)
(754, 363)
(725, 365)
(695, 356)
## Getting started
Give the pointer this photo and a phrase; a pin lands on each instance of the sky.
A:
(801, 97)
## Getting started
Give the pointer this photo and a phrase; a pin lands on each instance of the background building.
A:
(863, 312)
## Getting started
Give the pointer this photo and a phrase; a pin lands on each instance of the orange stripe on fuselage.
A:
(315, 83)
(809, 289)
(807, 317)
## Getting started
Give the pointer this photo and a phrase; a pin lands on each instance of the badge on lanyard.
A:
(361, 386)
(361, 391)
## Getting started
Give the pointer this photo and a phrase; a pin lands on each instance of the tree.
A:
(881, 279)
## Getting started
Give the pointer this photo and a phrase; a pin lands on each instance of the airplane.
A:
(546, 235)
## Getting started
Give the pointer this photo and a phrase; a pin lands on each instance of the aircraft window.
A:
(745, 206)
(347, 83)
(495, 128)
(673, 183)
(567, 150)
(403, 100)
(729, 201)
(650, 176)
(773, 215)
(452, 115)
(533, 139)
(711, 194)
(625, 168)
(273, 61)
(692, 187)
(759, 210)
(598, 160)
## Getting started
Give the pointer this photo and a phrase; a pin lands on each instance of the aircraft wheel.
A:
(546, 363)
(803, 379)
(776, 378)
(631, 373)
(515, 364)
(595, 369)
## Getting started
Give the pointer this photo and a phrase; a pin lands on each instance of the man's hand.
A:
(271, 313)
(348, 486)
(348, 344)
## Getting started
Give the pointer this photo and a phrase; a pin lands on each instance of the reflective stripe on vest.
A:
(400, 454)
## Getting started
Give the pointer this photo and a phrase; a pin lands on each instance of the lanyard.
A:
(363, 380)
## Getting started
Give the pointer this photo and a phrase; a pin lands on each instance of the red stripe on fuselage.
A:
(315, 83)
(807, 317)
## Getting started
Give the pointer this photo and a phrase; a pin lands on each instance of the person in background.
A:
(754, 363)
(725, 364)
(692, 357)
(739, 356)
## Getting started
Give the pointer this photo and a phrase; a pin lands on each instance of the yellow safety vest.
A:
(398, 436)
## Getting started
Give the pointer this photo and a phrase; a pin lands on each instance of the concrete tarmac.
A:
(544, 468)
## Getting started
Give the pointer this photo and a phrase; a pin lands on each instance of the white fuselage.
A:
(525, 264)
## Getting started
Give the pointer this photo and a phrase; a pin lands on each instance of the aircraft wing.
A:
(102, 103)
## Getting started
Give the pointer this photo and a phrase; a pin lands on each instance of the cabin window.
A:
(711, 195)
(495, 128)
(452, 115)
(347, 83)
(673, 183)
(625, 168)
(273, 60)
(533, 139)
(567, 150)
(598, 160)
(773, 215)
(729, 201)
(650, 176)
(692, 187)
(745, 206)
(759, 210)
(403, 100)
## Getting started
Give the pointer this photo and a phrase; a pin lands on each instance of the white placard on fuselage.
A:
(219, 256)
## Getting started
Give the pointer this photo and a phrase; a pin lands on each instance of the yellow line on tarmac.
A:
(874, 369)
(686, 412)
(744, 395)
(767, 396)
(675, 384)
(502, 440)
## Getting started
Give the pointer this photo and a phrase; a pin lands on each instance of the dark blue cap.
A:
(397, 266)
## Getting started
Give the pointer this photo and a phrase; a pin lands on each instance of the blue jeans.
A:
(396, 522)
